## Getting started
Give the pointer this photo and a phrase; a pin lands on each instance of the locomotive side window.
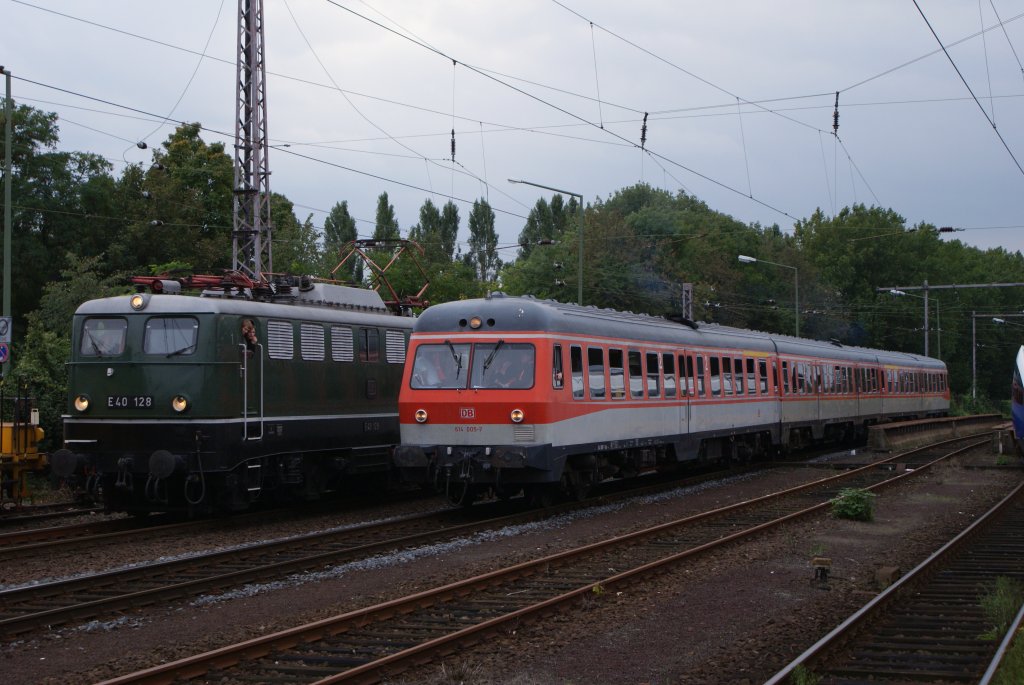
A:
(103, 337)
(443, 365)
(503, 365)
(342, 344)
(668, 362)
(394, 347)
(369, 345)
(653, 384)
(172, 335)
(616, 374)
(311, 341)
(557, 379)
(636, 375)
(280, 340)
(595, 367)
(576, 368)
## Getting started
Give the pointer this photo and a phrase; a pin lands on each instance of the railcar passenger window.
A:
(785, 377)
(576, 368)
(686, 385)
(616, 374)
(653, 382)
(103, 337)
(668, 362)
(595, 368)
(701, 390)
(557, 381)
(171, 335)
(762, 368)
(737, 368)
(716, 376)
(751, 378)
(636, 375)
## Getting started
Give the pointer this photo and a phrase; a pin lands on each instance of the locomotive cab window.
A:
(440, 366)
(369, 345)
(103, 337)
(503, 365)
(171, 335)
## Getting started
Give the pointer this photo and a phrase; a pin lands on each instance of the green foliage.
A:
(1000, 604)
(853, 504)
(804, 676)
(965, 405)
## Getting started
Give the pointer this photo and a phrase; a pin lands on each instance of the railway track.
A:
(374, 642)
(37, 513)
(47, 605)
(930, 625)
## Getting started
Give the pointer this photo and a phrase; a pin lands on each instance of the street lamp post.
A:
(579, 275)
(796, 284)
(8, 181)
(938, 318)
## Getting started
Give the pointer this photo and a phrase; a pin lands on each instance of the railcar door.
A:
(251, 351)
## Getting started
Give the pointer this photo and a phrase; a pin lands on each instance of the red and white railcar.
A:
(506, 393)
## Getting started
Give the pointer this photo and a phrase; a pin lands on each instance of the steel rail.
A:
(463, 612)
(914, 582)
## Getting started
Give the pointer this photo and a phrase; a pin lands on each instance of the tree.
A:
(482, 254)
(61, 201)
(339, 229)
(386, 227)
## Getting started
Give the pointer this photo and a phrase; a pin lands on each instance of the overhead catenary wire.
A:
(968, 86)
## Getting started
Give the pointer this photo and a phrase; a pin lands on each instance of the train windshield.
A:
(445, 365)
(103, 337)
(171, 335)
(503, 365)
(494, 365)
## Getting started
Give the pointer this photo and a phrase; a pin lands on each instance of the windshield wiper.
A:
(92, 340)
(456, 357)
(490, 357)
(181, 351)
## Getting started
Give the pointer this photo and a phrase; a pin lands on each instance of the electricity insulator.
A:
(141, 145)
(156, 222)
(835, 117)
(559, 282)
(643, 132)
(557, 265)
(453, 144)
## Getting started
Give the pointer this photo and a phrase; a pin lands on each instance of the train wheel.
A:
(541, 496)
(460, 493)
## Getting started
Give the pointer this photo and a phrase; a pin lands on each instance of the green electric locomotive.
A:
(213, 402)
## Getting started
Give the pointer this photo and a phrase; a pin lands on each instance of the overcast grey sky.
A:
(739, 96)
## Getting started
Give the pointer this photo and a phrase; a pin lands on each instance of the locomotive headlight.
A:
(475, 322)
(82, 403)
(421, 416)
(137, 301)
(517, 416)
(180, 403)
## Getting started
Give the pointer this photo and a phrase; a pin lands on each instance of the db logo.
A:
(467, 413)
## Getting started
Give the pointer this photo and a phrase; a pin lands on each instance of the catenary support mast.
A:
(250, 248)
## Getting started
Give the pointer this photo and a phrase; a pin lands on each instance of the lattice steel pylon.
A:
(251, 243)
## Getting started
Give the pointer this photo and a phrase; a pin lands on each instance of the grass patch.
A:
(853, 504)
